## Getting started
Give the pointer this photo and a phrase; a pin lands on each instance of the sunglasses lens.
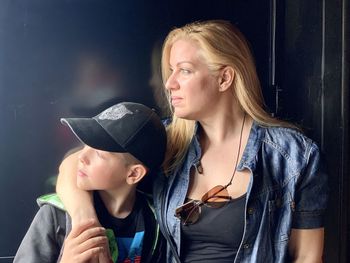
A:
(188, 213)
(216, 197)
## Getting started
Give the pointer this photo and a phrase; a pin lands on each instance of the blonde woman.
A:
(238, 185)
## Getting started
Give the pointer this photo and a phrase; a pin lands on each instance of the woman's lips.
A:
(175, 101)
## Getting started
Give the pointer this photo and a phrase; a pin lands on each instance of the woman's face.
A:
(100, 170)
(192, 87)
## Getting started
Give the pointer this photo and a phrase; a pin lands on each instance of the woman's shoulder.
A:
(166, 121)
(289, 140)
(286, 132)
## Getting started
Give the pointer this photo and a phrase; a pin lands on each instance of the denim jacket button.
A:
(246, 246)
(250, 210)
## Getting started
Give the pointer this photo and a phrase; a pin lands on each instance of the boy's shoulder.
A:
(50, 199)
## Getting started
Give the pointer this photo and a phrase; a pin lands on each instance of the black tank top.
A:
(217, 234)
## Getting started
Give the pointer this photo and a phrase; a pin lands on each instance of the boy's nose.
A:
(83, 156)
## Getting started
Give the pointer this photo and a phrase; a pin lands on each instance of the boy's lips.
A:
(81, 173)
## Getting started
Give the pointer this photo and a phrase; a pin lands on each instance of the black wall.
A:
(72, 58)
(315, 93)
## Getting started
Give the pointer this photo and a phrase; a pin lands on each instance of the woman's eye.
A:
(185, 71)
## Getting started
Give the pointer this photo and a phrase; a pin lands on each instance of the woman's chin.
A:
(182, 114)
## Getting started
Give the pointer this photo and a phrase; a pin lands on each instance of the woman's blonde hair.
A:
(221, 44)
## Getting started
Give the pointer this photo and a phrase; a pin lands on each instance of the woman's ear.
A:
(226, 77)
(136, 173)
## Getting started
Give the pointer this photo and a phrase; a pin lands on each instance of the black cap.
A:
(125, 127)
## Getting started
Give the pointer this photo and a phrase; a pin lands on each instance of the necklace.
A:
(199, 167)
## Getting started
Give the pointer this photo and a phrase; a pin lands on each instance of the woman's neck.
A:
(222, 127)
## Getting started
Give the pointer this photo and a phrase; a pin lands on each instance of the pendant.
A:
(199, 168)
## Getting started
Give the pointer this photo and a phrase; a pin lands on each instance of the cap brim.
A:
(91, 133)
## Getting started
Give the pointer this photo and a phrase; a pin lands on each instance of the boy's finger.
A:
(91, 233)
(99, 241)
(105, 256)
(90, 255)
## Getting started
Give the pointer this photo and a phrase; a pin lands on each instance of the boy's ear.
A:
(136, 173)
(226, 77)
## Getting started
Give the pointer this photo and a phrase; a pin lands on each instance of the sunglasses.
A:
(216, 197)
(190, 212)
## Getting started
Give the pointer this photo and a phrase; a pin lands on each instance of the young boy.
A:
(123, 144)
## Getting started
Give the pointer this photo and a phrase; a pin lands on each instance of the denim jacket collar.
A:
(248, 159)
(249, 156)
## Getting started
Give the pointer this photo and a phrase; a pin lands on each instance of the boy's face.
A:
(100, 170)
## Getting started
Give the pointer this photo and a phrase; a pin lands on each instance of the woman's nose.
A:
(171, 83)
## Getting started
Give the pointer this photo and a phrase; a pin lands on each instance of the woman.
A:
(239, 185)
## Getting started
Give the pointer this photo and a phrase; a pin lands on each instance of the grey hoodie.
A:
(44, 239)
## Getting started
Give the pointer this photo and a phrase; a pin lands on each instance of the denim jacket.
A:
(287, 189)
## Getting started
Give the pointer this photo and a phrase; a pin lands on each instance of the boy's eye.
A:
(99, 154)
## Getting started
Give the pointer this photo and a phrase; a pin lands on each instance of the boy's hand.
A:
(103, 257)
(84, 243)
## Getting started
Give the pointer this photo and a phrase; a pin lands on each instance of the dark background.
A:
(72, 58)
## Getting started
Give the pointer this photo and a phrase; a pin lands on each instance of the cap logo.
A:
(114, 113)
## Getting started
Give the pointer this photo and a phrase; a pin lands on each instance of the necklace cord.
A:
(234, 171)
(239, 151)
